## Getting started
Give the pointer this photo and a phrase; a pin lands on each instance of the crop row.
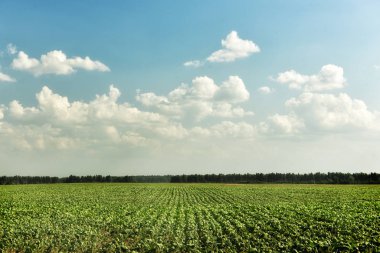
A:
(189, 218)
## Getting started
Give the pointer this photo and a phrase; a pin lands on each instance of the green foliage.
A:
(189, 218)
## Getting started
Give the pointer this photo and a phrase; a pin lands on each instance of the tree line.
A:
(82, 179)
(257, 178)
(290, 178)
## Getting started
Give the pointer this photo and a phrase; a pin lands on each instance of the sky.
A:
(175, 87)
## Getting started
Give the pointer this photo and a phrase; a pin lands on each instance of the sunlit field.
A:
(189, 218)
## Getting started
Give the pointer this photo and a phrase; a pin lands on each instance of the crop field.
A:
(189, 218)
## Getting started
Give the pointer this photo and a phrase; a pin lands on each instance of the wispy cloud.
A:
(193, 64)
(11, 49)
(265, 90)
(6, 78)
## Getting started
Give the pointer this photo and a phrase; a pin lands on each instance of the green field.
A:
(189, 218)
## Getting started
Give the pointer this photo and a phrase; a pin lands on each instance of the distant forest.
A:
(258, 178)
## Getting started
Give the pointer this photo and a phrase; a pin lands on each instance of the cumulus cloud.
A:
(202, 110)
(57, 109)
(76, 123)
(226, 128)
(201, 99)
(329, 77)
(127, 137)
(172, 131)
(315, 112)
(11, 49)
(233, 48)
(36, 137)
(17, 111)
(233, 90)
(334, 112)
(6, 78)
(55, 62)
(56, 122)
(285, 124)
(265, 90)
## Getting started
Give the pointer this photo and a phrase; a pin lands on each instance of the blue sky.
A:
(322, 109)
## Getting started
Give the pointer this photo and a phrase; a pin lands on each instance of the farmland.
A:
(189, 218)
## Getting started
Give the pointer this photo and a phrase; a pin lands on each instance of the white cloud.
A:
(376, 67)
(23, 62)
(55, 122)
(55, 62)
(172, 131)
(6, 78)
(233, 90)
(126, 137)
(107, 133)
(202, 114)
(1, 112)
(57, 110)
(265, 90)
(292, 78)
(11, 49)
(17, 111)
(87, 64)
(36, 137)
(202, 99)
(194, 64)
(237, 130)
(334, 112)
(203, 88)
(77, 123)
(233, 48)
(329, 77)
(285, 124)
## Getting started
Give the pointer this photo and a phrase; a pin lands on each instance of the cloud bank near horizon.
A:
(203, 118)
(197, 111)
